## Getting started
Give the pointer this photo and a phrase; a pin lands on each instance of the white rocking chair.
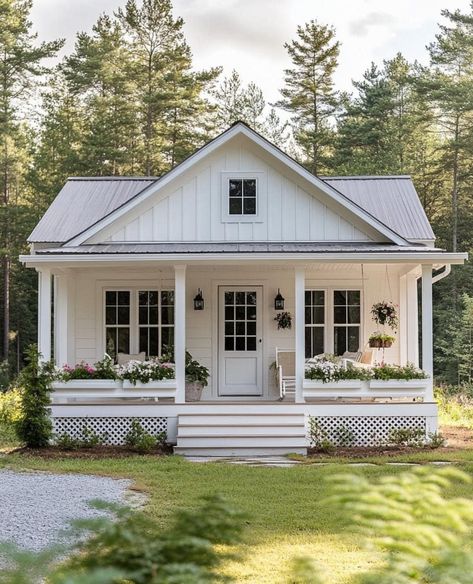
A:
(286, 371)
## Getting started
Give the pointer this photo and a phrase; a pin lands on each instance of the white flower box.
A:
(87, 384)
(342, 384)
(398, 384)
(161, 384)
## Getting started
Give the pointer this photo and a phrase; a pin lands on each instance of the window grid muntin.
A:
(165, 331)
(240, 320)
(243, 199)
(313, 310)
(117, 304)
(352, 330)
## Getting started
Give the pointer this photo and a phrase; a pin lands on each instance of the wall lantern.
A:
(199, 300)
(279, 301)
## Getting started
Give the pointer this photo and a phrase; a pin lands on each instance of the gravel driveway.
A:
(35, 506)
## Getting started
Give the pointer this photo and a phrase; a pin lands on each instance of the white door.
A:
(240, 341)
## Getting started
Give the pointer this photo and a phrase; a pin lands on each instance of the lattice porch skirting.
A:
(368, 430)
(113, 430)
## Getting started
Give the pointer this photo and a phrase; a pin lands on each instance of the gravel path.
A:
(35, 507)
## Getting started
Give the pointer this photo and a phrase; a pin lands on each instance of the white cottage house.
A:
(121, 261)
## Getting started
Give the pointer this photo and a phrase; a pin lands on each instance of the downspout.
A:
(442, 275)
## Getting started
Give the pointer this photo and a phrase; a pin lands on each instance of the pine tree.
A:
(161, 65)
(309, 93)
(21, 71)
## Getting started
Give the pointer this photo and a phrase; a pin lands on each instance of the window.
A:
(314, 322)
(242, 196)
(139, 320)
(346, 321)
(117, 322)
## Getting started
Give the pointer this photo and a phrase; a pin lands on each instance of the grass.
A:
(286, 515)
(285, 509)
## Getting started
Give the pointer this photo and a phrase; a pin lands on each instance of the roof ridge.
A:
(112, 178)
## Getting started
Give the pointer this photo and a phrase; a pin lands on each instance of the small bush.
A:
(407, 437)
(10, 406)
(140, 440)
(318, 437)
(435, 440)
(35, 427)
(344, 437)
(67, 442)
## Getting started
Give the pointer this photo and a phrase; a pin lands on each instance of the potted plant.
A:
(381, 341)
(196, 378)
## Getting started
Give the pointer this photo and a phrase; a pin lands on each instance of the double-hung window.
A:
(332, 321)
(314, 322)
(346, 321)
(139, 320)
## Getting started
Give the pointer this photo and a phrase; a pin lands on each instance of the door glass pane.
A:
(251, 298)
(240, 344)
(229, 296)
(251, 344)
(251, 312)
(229, 346)
(229, 328)
(110, 298)
(240, 298)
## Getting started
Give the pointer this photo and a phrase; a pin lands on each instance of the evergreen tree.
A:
(161, 65)
(21, 71)
(309, 93)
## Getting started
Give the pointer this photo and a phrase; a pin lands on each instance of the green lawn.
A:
(284, 506)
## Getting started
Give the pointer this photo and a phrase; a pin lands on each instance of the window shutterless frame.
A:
(159, 318)
(259, 179)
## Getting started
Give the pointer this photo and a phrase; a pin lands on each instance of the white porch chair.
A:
(286, 371)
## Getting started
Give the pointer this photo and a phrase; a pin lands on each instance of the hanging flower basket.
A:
(385, 314)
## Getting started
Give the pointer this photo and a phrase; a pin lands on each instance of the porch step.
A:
(240, 434)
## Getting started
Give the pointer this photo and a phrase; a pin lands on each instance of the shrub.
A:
(318, 437)
(407, 437)
(10, 406)
(386, 372)
(344, 436)
(88, 438)
(35, 427)
(142, 441)
(435, 440)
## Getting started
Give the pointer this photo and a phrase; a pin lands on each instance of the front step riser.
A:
(241, 441)
(236, 419)
(244, 451)
(238, 431)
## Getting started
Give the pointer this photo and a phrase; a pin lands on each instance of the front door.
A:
(240, 341)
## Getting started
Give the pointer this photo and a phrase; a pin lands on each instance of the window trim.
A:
(134, 325)
(260, 178)
(329, 325)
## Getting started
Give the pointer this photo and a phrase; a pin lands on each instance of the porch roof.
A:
(234, 247)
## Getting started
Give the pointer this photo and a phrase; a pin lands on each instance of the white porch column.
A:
(63, 302)
(180, 331)
(300, 331)
(44, 313)
(427, 332)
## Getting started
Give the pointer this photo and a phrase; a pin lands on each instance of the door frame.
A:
(248, 282)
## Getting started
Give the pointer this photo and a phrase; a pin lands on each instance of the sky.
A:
(249, 35)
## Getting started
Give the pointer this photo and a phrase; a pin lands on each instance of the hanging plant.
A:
(284, 320)
(385, 313)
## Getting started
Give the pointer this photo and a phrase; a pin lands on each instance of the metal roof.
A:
(82, 202)
(391, 199)
(227, 247)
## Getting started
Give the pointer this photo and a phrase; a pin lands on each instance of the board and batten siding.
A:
(192, 208)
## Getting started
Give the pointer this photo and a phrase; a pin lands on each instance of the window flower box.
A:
(334, 385)
(398, 384)
(104, 384)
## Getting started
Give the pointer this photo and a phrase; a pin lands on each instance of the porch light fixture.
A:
(199, 300)
(279, 301)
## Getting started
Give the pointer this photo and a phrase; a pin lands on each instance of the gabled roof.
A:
(86, 205)
(391, 199)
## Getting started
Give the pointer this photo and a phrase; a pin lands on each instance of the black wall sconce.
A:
(199, 300)
(279, 301)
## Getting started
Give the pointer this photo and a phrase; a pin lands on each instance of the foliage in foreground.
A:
(136, 550)
(425, 536)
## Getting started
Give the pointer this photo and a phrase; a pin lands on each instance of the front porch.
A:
(141, 305)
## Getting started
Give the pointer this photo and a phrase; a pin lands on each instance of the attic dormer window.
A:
(242, 196)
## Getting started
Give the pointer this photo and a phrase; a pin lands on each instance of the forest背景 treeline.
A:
(127, 100)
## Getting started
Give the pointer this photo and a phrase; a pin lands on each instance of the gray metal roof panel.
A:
(82, 202)
(393, 200)
(228, 247)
